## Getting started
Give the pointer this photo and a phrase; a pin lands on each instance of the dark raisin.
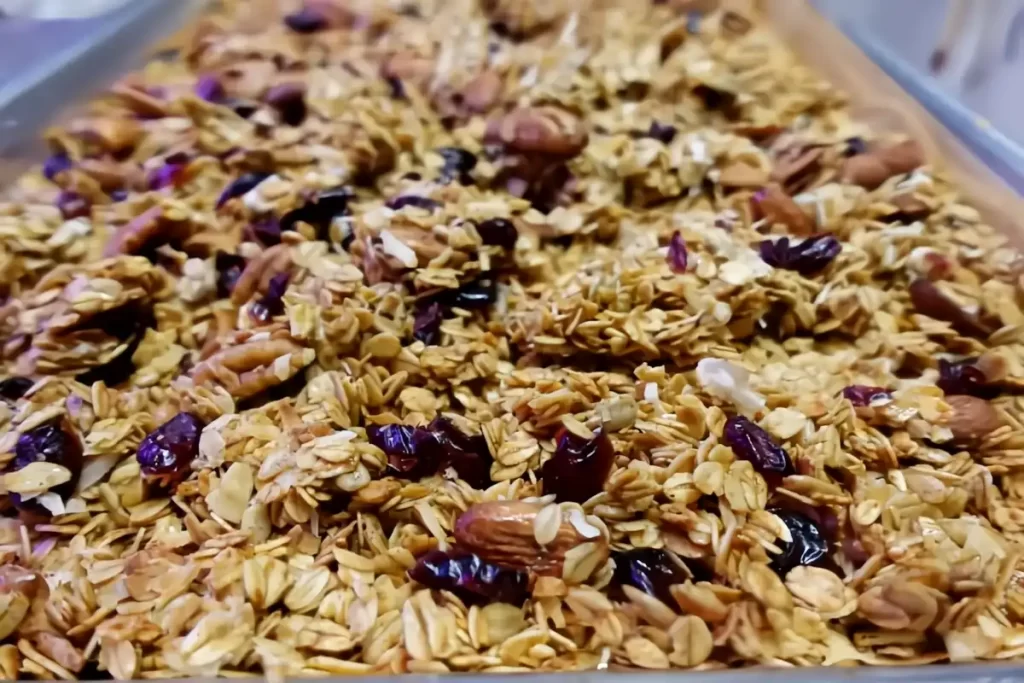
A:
(654, 571)
(400, 202)
(14, 388)
(266, 231)
(306, 20)
(751, 443)
(73, 205)
(579, 466)
(854, 146)
(808, 257)
(320, 210)
(54, 442)
(470, 578)
(861, 395)
(662, 132)
(677, 256)
(498, 231)
(271, 303)
(478, 293)
(418, 452)
(808, 547)
(209, 88)
(56, 163)
(289, 100)
(965, 377)
(167, 452)
(396, 87)
(458, 163)
(239, 186)
(118, 195)
(468, 455)
(426, 326)
(167, 175)
(243, 108)
(229, 269)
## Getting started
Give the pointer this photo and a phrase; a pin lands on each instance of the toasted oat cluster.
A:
(371, 336)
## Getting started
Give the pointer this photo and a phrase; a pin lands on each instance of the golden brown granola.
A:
(499, 336)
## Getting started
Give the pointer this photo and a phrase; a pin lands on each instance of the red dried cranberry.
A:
(470, 578)
(663, 132)
(407, 448)
(417, 452)
(965, 377)
(306, 20)
(167, 452)
(54, 442)
(271, 303)
(677, 256)
(654, 571)
(498, 231)
(229, 269)
(426, 203)
(73, 205)
(809, 546)
(56, 163)
(427, 325)
(14, 388)
(168, 175)
(751, 443)
(266, 231)
(579, 466)
(239, 186)
(861, 395)
(468, 455)
(458, 163)
(209, 88)
(289, 99)
(810, 256)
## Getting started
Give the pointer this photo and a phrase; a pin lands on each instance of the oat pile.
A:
(419, 336)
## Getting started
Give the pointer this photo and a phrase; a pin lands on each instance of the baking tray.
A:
(95, 51)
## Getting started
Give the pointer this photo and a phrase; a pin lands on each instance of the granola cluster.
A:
(499, 335)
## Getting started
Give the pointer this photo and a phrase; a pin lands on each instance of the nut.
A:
(873, 168)
(899, 605)
(503, 532)
(796, 166)
(778, 207)
(972, 418)
(538, 130)
(742, 175)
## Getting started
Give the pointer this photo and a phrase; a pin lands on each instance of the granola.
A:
(514, 335)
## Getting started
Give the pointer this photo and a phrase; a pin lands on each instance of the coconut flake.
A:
(397, 248)
(729, 382)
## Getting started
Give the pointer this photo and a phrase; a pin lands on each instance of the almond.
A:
(778, 207)
(796, 167)
(502, 532)
(972, 418)
(928, 299)
(865, 170)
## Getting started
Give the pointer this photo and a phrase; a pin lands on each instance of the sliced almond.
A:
(36, 477)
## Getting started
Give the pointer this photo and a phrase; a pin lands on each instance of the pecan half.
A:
(538, 130)
(252, 362)
(143, 230)
(502, 532)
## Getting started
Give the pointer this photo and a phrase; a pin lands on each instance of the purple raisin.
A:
(751, 443)
(579, 466)
(663, 132)
(73, 205)
(861, 395)
(808, 257)
(56, 163)
(54, 442)
(118, 195)
(654, 571)
(426, 203)
(229, 269)
(266, 231)
(965, 377)
(498, 231)
(210, 88)
(14, 388)
(306, 20)
(677, 256)
(239, 186)
(166, 454)
(470, 578)
(458, 163)
(426, 326)
(271, 303)
(808, 547)
(167, 175)
(289, 100)
(468, 455)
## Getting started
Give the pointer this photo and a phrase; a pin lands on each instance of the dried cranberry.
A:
(579, 466)
(168, 175)
(965, 377)
(751, 443)
(654, 571)
(663, 132)
(56, 163)
(498, 231)
(677, 257)
(73, 205)
(266, 231)
(14, 388)
(470, 578)
(289, 99)
(475, 294)
(239, 186)
(417, 452)
(306, 20)
(810, 256)
(320, 210)
(209, 88)
(854, 146)
(118, 195)
(54, 442)
(406, 447)
(167, 452)
(426, 326)
(808, 547)
(400, 202)
(271, 303)
(458, 163)
(243, 108)
(229, 269)
(396, 87)
(861, 395)
(467, 455)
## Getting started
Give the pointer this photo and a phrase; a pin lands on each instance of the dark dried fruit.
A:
(476, 294)
(210, 88)
(14, 388)
(855, 145)
(243, 108)
(289, 100)
(663, 132)
(271, 303)
(167, 175)
(266, 231)
(467, 455)
(320, 210)
(755, 445)
(229, 269)
(929, 300)
(417, 452)
(306, 20)
(498, 231)
(861, 395)
(470, 578)
(239, 186)
(54, 442)
(118, 195)
(654, 571)
(73, 205)
(677, 256)
(167, 452)
(810, 256)
(965, 377)
(56, 163)
(579, 466)
(427, 325)
(458, 163)
(407, 448)
(809, 546)
(426, 203)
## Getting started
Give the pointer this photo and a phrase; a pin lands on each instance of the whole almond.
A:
(903, 157)
(972, 418)
(865, 170)
(502, 532)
